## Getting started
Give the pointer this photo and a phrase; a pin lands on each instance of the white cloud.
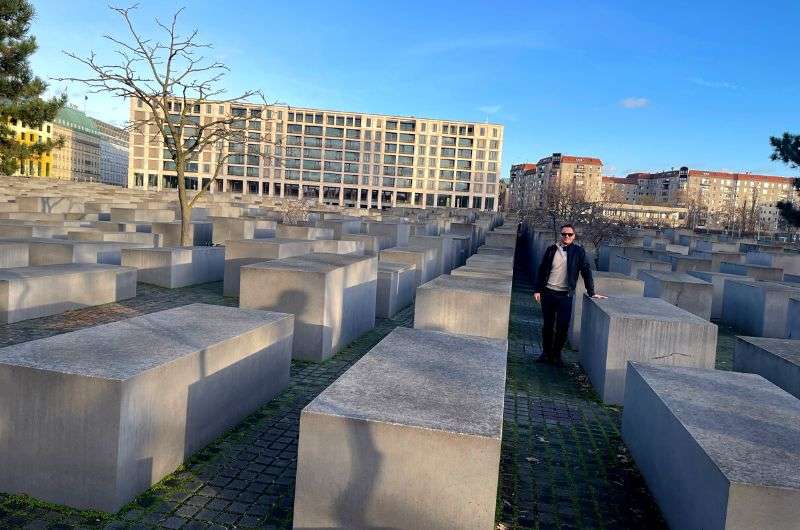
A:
(490, 109)
(714, 84)
(635, 103)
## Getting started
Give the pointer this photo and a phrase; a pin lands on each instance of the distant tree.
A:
(21, 91)
(786, 148)
(172, 79)
(293, 211)
(596, 229)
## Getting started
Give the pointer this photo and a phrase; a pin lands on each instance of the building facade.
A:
(38, 166)
(93, 151)
(113, 153)
(581, 175)
(647, 215)
(717, 199)
(521, 186)
(332, 157)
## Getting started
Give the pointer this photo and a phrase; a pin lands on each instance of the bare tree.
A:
(598, 229)
(172, 79)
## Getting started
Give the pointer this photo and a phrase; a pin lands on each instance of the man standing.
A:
(555, 286)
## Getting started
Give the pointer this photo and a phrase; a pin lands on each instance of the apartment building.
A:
(717, 199)
(332, 157)
(37, 166)
(620, 190)
(581, 175)
(93, 151)
(521, 186)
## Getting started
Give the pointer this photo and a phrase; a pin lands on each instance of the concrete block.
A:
(423, 259)
(717, 281)
(445, 250)
(631, 266)
(682, 263)
(332, 296)
(33, 292)
(397, 286)
(335, 246)
(13, 254)
(605, 283)
(408, 437)
(757, 309)
(372, 244)
(173, 267)
(789, 263)
(342, 227)
(247, 251)
(96, 416)
(397, 233)
(480, 272)
(776, 360)
(680, 289)
(303, 232)
(718, 450)
(171, 233)
(793, 318)
(459, 304)
(500, 239)
(759, 272)
(141, 215)
(621, 329)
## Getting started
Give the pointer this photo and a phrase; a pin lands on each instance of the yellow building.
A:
(36, 166)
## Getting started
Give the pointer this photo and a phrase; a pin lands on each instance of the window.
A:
(391, 125)
(447, 163)
(389, 159)
(353, 145)
(353, 133)
(312, 142)
(312, 164)
(294, 128)
(407, 149)
(405, 160)
(448, 151)
(312, 176)
(339, 120)
(330, 120)
(465, 142)
(351, 156)
(292, 175)
(333, 144)
(314, 130)
(390, 148)
(237, 171)
(333, 155)
(333, 166)
(465, 153)
(494, 133)
(336, 132)
(294, 140)
(312, 153)
(408, 138)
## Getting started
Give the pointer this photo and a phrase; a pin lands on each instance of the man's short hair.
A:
(569, 225)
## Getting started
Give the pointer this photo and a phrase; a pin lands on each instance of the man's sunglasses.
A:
(566, 234)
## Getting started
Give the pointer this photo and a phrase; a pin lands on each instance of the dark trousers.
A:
(556, 313)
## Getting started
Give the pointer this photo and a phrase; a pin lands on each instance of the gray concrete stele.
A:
(408, 437)
(719, 450)
(94, 417)
(621, 329)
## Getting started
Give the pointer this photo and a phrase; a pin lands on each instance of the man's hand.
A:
(599, 297)
(537, 297)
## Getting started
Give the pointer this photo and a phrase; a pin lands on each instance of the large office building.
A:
(93, 151)
(332, 157)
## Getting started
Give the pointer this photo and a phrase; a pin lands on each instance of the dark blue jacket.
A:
(576, 263)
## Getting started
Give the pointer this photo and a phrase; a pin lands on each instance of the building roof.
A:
(76, 120)
(713, 175)
(525, 166)
(571, 159)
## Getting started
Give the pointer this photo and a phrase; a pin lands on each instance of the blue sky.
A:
(642, 85)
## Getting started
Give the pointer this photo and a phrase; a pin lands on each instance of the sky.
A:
(644, 86)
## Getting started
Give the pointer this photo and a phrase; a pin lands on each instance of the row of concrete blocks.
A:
(410, 436)
(717, 449)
